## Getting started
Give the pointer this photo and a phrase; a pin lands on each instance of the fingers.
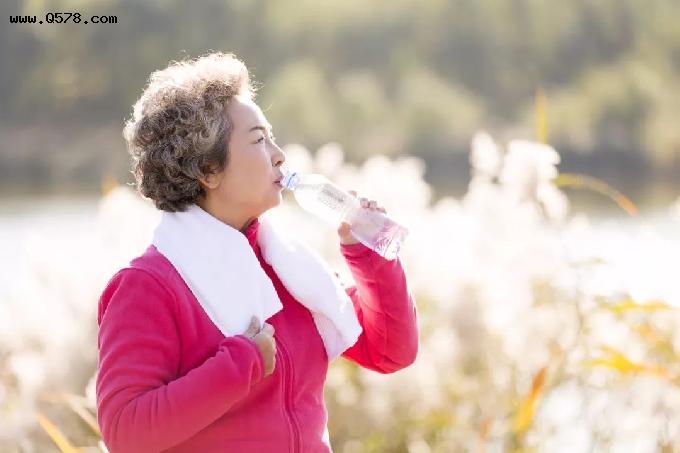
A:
(345, 233)
(265, 341)
(267, 345)
(268, 329)
(253, 328)
(270, 364)
(368, 204)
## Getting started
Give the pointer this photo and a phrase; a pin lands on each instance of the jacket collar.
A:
(251, 232)
(221, 267)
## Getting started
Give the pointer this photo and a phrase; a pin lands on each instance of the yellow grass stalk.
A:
(579, 181)
(525, 415)
(616, 360)
(108, 184)
(55, 434)
(628, 304)
(541, 115)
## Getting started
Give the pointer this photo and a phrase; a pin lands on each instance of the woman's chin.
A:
(278, 199)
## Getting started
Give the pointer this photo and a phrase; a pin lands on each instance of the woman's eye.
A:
(260, 140)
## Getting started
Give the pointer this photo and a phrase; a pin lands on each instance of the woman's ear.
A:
(211, 179)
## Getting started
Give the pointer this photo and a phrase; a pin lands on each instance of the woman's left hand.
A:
(346, 237)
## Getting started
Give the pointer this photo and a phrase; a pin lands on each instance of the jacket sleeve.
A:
(385, 309)
(142, 406)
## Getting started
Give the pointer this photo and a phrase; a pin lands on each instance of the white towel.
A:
(220, 267)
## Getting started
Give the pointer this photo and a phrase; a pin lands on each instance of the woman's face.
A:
(246, 188)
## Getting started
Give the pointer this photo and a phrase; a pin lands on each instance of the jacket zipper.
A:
(288, 398)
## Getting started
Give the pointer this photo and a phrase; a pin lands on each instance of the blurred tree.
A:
(379, 77)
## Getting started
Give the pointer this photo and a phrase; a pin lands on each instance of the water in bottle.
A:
(316, 194)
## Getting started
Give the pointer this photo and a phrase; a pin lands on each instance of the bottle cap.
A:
(290, 180)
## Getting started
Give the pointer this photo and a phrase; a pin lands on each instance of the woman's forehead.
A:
(246, 114)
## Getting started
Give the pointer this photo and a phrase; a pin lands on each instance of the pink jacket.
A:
(169, 380)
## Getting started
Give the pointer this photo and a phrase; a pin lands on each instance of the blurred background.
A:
(531, 146)
(391, 78)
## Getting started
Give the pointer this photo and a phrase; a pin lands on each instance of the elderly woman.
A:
(219, 336)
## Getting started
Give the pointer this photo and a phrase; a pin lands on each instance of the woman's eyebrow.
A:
(261, 128)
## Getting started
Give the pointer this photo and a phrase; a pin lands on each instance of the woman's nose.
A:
(279, 156)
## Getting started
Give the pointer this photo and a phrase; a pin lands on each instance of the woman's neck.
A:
(234, 219)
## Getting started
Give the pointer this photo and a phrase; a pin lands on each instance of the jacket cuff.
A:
(357, 250)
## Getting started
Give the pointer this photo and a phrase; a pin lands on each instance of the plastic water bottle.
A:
(316, 194)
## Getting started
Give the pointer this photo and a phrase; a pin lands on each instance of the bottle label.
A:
(330, 197)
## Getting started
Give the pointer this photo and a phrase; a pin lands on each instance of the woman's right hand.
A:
(264, 339)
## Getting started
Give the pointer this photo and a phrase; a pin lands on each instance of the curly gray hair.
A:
(179, 130)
